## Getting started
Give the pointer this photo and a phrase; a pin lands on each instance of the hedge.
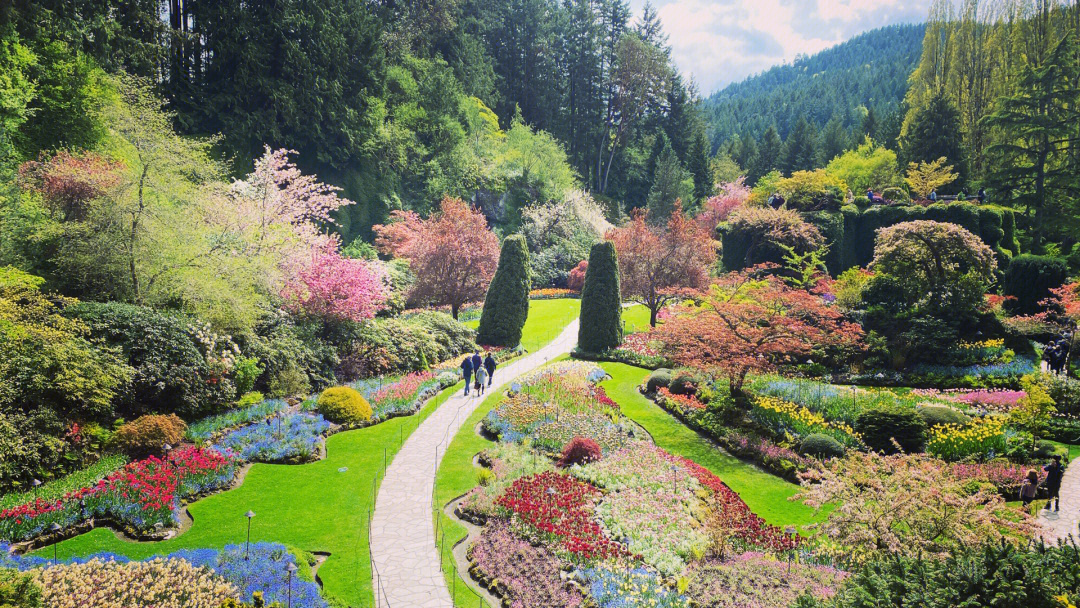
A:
(851, 231)
(1030, 278)
(601, 304)
(507, 302)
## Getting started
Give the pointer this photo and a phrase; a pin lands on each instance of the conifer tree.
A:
(507, 303)
(601, 305)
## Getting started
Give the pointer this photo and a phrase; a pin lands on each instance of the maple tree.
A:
(658, 264)
(576, 279)
(751, 320)
(453, 253)
(69, 182)
(334, 287)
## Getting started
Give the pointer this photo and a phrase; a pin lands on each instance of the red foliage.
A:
(657, 264)
(717, 208)
(333, 287)
(561, 508)
(68, 182)
(453, 253)
(750, 321)
(576, 279)
(579, 450)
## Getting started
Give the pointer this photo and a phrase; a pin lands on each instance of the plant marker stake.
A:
(247, 547)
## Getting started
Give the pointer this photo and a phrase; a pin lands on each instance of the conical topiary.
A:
(506, 305)
(601, 304)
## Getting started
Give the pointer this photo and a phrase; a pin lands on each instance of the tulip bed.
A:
(399, 395)
(140, 496)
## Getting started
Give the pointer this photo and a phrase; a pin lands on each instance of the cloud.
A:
(717, 42)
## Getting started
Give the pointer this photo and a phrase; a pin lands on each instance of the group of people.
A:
(1029, 490)
(482, 369)
(960, 196)
(1057, 354)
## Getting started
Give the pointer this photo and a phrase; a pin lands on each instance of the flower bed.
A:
(982, 400)
(657, 524)
(832, 401)
(780, 461)
(137, 497)
(292, 438)
(506, 463)
(983, 437)
(640, 349)
(552, 435)
(558, 509)
(1005, 476)
(753, 580)
(205, 429)
(553, 293)
(400, 395)
(615, 587)
(522, 574)
(56, 489)
(786, 417)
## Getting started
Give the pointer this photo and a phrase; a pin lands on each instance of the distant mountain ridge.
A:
(868, 71)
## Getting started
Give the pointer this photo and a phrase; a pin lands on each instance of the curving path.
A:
(405, 561)
(1064, 523)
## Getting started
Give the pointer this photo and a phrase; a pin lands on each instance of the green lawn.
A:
(314, 507)
(546, 319)
(635, 318)
(767, 495)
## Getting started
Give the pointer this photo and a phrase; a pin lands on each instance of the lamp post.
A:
(790, 531)
(54, 528)
(247, 547)
(36, 483)
(675, 478)
(292, 568)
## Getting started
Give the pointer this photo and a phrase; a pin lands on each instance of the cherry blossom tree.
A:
(335, 288)
(751, 321)
(453, 253)
(717, 208)
(657, 264)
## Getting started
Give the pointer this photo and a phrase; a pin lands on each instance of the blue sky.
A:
(722, 41)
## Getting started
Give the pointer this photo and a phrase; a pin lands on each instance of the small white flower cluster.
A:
(220, 350)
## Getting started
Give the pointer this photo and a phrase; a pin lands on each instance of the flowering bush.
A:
(523, 575)
(983, 437)
(579, 451)
(683, 402)
(615, 587)
(293, 438)
(559, 510)
(140, 495)
(1006, 476)
(162, 583)
(784, 416)
(754, 580)
(206, 428)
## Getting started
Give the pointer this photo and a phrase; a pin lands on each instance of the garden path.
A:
(1061, 524)
(406, 563)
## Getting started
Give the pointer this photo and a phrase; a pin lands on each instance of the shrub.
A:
(580, 450)
(405, 344)
(660, 377)
(287, 382)
(821, 446)
(246, 374)
(249, 399)
(601, 304)
(147, 434)
(1030, 278)
(344, 405)
(506, 305)
(576, 279)
(18, 590)
(935, 415)
(684, 383)
(1044, 449)
(880, 426)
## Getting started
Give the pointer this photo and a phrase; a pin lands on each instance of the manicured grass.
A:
(313, 507)
(1074, 450)
(766, 495)
(547, 319)
(635, 318)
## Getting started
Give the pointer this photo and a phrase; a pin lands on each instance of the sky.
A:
(722, 41)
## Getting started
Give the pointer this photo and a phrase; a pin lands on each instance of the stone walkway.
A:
(406, 562)
(1063, 523)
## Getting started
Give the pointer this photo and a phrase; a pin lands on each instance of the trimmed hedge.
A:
(344, 405)
(601, 303)
(851, 231)
(935, 415)
(1030, 278)
(879, 426)
(659, 378)
(506, 305)
(821, 446)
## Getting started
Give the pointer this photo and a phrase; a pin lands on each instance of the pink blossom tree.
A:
(335, 288)
(717, 208)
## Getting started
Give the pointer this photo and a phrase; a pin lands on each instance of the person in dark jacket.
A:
(466, 372)
(477, 361)
(1054, 472)
(489, 365)
(981, 196)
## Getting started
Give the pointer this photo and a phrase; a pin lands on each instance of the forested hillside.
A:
(839, 92)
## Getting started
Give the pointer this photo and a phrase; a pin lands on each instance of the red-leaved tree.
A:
(335, 288)
(69, 182)
(576, 279)
(717, 208)
(657, 264)
(751, 320)
(453, 253)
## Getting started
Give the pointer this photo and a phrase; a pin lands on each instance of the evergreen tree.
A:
(798, 153)
(869, 125)
(671, 182)
(933, 132)
(699, 164)
(768, 154)
(506, 305)
(833, 141)
(601, 304)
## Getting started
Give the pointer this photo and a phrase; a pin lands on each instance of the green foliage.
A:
(671, 182)
(759, 234)
(344, 405)
(812, 190)
(601, 304)
(148, 434)
(1029, 278)
(821, 446)
(658, 378)
(246, 373)
(249, 399)
(559, 235)
(506, 305)
(881, 426)
(404, 344)
(932, 133)
(18, 590)
(870, 166)
(935, 415)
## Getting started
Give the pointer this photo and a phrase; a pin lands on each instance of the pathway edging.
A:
(406, 564)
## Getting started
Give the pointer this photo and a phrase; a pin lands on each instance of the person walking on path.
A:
(1054, 473)
(481, 380)
(467, 372)
(489, 365)
(1029, 489)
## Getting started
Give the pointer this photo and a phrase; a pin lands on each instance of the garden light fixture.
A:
(247, 549)
(290, 569)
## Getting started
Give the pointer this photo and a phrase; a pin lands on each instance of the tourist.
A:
(1054, 473)
(477, 361)
(1030, 488)
(933, 195)
(850, 197)
(481, 380)
(981, 196)
(466, 372)
(489, 365)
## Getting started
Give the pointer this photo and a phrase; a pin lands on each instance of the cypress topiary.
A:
(507, 303)
(601, 304)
